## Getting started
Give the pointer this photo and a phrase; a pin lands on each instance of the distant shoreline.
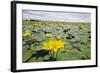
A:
(50, 22)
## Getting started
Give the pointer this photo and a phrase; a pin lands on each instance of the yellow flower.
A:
(27, 33)
(48, 35)
(53, 45)
(58, 37)
(58, 44)
(48, 45)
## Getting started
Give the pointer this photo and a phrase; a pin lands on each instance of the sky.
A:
(56, 16)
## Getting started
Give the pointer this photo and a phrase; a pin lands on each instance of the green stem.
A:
(52, 54)
(57, 54)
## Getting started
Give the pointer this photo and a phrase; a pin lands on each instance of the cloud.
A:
(56, 16)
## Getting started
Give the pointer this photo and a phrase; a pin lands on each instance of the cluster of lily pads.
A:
(55, 41)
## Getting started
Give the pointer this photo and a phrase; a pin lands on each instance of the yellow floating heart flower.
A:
(48, 35)
(48, 45)
(58, 37)
(27, 33)
(58, 44)
(53, 45)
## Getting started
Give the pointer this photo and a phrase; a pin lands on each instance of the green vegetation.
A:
(75, 35)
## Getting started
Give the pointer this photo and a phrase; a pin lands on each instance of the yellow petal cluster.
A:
(48, 35)
(58, 44)
(53, 45)
(48, 45)
(58, 37)
(27, 33)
